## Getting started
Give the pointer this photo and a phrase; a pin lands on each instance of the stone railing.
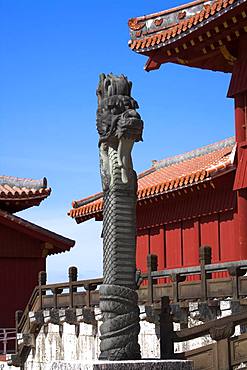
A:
(167, 297)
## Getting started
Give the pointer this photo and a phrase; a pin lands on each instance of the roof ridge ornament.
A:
(194, 153)
(23, 182)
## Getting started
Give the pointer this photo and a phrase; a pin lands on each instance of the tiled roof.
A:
(17, 194)
(169, 175)
(150, 32)
(58, 243)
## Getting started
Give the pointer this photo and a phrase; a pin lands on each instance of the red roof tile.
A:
(169, 175)
(17, 194)
(159, 36)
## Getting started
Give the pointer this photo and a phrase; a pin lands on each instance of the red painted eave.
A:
(167, 36)
(59, 243)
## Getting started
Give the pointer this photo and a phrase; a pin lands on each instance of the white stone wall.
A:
(53, 347)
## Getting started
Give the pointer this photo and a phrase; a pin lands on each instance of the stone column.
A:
(119, 126)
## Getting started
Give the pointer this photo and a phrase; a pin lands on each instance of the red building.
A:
(199, 197)
(183, 202)
(24, 245)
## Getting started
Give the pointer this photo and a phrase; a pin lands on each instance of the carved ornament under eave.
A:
(47, 247)
(158, 22)
(135, 25)
(181, 15)
(207, 7)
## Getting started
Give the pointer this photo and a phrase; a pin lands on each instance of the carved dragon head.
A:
(116, 114)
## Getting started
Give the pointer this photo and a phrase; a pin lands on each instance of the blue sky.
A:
(51, 53)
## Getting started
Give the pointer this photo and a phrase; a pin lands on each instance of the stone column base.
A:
(123, 365)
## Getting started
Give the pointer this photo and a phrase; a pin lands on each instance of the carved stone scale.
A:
(119, 127)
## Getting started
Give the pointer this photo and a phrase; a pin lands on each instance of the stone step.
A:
(120, 365)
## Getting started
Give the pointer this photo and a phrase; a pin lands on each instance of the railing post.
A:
(89, 288)
(223, 354)
(235, 273)
(42, 281)
(18, 315)
(152, 265)
(205, 257)
(4, 341)
(179, 314)
(222, 336)
(166, 330)
(55, 293)
(176, 279)
(73, 274)
(208, 309)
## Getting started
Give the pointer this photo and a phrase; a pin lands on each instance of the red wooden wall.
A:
(20, 262)
(175, 228)
(177, 244)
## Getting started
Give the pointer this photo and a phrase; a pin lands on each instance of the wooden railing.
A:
(179, 289)
(165, 303)
(7, 340)
(46, 296)
(170, 302)
(226, 353)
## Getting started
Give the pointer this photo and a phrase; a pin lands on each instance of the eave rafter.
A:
(198, 44)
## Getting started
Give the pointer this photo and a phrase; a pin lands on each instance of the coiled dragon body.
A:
(119, 126)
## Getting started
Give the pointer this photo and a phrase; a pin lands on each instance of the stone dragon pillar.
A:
(119, 127)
